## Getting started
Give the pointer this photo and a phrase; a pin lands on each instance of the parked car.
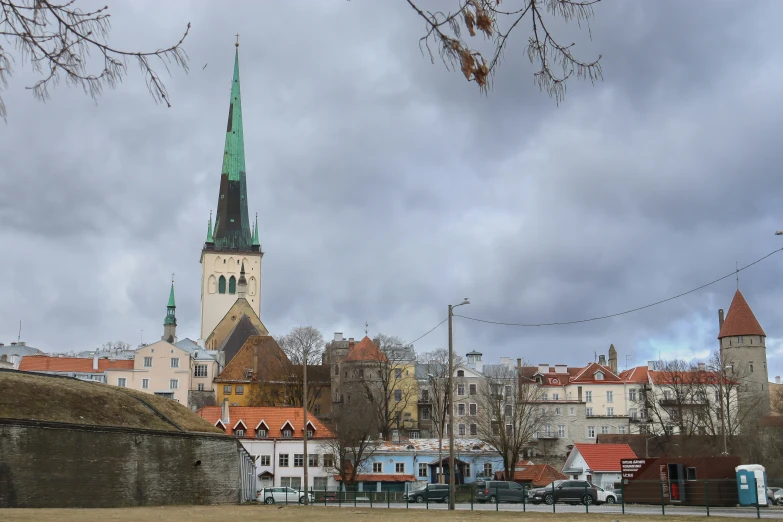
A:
(618, 495)
(771, 495)
(429, 492)
(572, 491)
(778, 498)
(284, 495)
(606, 496)
(499, 491)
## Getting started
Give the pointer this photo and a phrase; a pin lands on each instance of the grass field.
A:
(329, 514)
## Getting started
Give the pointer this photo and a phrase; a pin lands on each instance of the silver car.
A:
(283, 495)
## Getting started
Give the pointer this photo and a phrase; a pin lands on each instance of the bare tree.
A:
(57, 39)
(674, 401)
(354, 443)
(510, 413)
(495, 20)
(436, 366)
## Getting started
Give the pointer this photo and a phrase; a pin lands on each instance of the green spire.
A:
(170, 308)
(255, 233)
(209, 229)
(234, 151)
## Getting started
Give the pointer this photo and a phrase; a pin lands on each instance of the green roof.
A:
(234, 152)
(171, 297)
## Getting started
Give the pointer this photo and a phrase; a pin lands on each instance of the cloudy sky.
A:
(387, 187)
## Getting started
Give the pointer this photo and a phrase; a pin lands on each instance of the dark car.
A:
(571, 491)
(499, 491)
(431, 493)
(618, 495)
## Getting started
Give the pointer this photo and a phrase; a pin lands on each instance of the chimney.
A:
(720, 319)
(95, 362)
(225, 417)
(338, 336)
(777, 379)
(519, 362)
(702, 366)
(561, 368)
(651, 365)
(543, 368)
(602, 360)
(22, 343)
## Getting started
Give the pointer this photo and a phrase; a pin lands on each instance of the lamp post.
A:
(451, 405)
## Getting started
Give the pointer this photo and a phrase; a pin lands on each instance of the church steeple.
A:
(210, 240)
(256, 243)
(232, 223)
(170, 322)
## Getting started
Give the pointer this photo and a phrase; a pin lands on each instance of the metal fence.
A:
(693, 497)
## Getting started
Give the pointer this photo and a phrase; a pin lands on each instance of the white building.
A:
(274, 437)
(597, 463)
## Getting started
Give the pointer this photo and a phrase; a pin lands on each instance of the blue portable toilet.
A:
(751, 484)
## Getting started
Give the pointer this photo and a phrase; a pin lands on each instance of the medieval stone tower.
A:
(743, 345)
(232, 244)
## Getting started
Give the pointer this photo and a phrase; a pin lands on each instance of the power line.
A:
(430, 331)
(735, 272)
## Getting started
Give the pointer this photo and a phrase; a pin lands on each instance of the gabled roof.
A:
(273, 365)
(603, 457)
(44, 363)
(365, 350)
(239, 333)
(240, 421)
(740, 319)
(274, 418)
(636, 375)
(537, 475)
(588, 374)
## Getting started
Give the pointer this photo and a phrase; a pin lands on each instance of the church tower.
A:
(743, 345)
(170, 322)
(232, 244)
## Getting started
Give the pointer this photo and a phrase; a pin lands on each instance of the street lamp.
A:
(452, 492)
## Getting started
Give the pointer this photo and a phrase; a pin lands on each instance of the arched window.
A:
(222, 285)
(212, 284)
(232, 285)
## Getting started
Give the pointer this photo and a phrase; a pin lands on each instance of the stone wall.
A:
(61, 465)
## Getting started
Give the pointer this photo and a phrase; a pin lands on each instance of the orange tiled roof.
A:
(588, 374)
(605, 457)
(274, 418)
(382, 477)
(740, 319)
(365, 350)
(637, 374)
(273, 364)
(538, 475)
(45, 363)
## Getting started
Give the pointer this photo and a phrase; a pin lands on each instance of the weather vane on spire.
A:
(172, 278)
(237, 44)
(736, 268)
(366, 328)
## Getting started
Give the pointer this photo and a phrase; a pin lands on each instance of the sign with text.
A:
(630, 467)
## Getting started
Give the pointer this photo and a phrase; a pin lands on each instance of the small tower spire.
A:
(210, 239)
(170, 322)
(256, 243)
(242, 283)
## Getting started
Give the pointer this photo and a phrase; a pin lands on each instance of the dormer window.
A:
(287, 430)
(310, 433)
(239, 433)
(261, 433)
(287, 433)
(460, 373)
(599, 376)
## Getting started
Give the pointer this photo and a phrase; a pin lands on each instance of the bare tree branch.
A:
(555, 61)
(57, 40)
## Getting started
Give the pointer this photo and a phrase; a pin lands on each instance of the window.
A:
(632, 394)
(632, 413)
(282, 460)
(360, 373)
(599, 376)
(558, 411)
(460, 409)
(145, 383)
(175, 362)
(425, 414)
(610, 411)
(509, 430)
(588, 396)
(508, 391)
(690, 474)
(148, 362)
(121, 382)
(555, 396)
(291, 482)
(460, 389)
(261, 433)
(312, 460)
(173, 384)
(561, 430)
(423, 470)
(222, 284)
(621, 430)
(200, 370)
(472, 409)
(310, 432)
(545, 396)
(200, 386)
(487, 469)
(667, 395)
(609, 396)
(287, 433)
(265, 460)
(232, 285)
(425, 396)
(604, 430)
(591, 432)
(460, 373)
(474, 429)
(751, 366)
(398, 373)
(413, 435)
(472, 389)
(298, 460)
(466, 467)
(572, 411)
(239, 432)
(461, 430)
(397, 395)
(328, 461)
(336, 370)
(240, 389)
(227, 389)
(399, 467)
(507, 410)
(739, 341)
(590, 412)
(377, 467)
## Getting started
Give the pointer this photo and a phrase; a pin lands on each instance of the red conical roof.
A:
(365, 350)
(740, 319)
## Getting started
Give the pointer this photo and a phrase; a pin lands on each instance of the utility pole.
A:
(304, 420)
(452, 490)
